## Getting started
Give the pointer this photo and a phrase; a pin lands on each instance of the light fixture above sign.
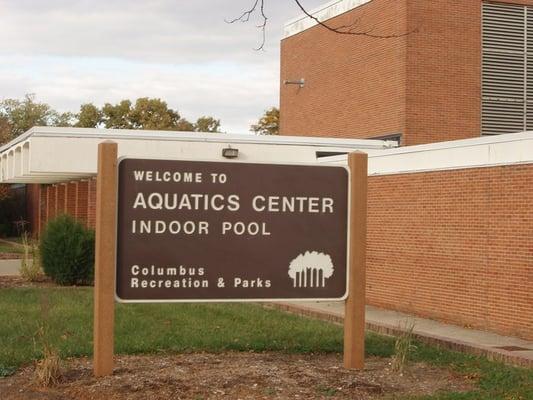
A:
(230, 152)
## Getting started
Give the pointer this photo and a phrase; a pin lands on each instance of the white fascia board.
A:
(324, 12)
(125, 134)
(482, 152)
(51, 157)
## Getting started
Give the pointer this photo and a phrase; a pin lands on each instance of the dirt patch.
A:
(12, 281)
(235, 376)
(10, 256)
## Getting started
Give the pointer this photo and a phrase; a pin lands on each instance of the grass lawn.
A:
(167, 328)
(8, 248)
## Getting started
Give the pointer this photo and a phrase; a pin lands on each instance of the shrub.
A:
(67, 251)
(403, 347)
(48, 369)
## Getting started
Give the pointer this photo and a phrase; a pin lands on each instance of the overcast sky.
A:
(70, 52)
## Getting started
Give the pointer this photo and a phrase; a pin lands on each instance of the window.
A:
(507, 96)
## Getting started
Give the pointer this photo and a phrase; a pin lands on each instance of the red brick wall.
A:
(425, 85)
(82, 201)
(354, 85)
(33, 208)
(70, 198)
(52, 201)
(455, 246)
(73, 198)
(61, 198)
(43, 209)
(443, 71)
(91, 205)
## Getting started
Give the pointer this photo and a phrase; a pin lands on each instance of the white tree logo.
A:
(311, 269)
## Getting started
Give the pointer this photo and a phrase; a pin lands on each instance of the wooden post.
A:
(104, 278)
(354, 312)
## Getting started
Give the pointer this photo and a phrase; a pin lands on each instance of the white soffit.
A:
(50, 155)
(488, 151)
(324, 12)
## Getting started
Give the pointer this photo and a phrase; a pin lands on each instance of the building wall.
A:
(455, 246)
(452, 245)
(354, 85)
(425, 85)
(443, 71)
(33, 203)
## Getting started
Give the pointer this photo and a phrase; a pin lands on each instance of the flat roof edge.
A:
(133, 134)
(324, 12)
(487, 151)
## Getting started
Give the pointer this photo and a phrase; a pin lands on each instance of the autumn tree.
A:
(153, 114)
(118, 115)
(17, 116)
(5, 130)
(268, 124)
(207, 124)
(89, 116)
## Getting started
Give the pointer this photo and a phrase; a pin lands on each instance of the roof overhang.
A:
(50, 154)
(486, 151)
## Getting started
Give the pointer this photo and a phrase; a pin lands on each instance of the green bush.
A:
(67, 251)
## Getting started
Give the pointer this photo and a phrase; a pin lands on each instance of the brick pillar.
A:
(33, 199)
(43, 208)
(82, 201)
(91, 206)
(52, 202)
(70, 198)
(61, 198)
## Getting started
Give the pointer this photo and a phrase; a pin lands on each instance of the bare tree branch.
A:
(349, 29)
(245, 17)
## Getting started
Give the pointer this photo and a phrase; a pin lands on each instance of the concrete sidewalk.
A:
(496, 347)
(9, 267)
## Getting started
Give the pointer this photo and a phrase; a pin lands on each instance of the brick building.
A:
(450, 240)
(449, 70)
(450, 215)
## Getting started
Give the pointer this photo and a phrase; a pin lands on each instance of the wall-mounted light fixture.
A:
(299, 82)
(230, 152)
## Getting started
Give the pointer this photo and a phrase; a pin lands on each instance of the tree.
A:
(64, 119)
(153, 114)
(268, 124)
(207, 124)
(5, 130)
(17, 116)
(89, 116)
(22, 115)
(147, 113)
(118, 115)
(258, 6)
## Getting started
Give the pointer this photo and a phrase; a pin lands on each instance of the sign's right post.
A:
(354, 312)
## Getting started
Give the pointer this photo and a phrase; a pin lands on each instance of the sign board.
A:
(230, 231)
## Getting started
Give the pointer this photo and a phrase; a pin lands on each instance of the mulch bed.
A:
(235, 376)
(12, 281)
(10, 256)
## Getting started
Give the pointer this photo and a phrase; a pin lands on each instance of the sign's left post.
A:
(104, 276)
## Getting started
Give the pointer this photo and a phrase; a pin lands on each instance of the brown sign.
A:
(220, 231)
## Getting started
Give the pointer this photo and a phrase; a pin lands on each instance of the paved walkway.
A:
(503, 348)
(9, 267)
